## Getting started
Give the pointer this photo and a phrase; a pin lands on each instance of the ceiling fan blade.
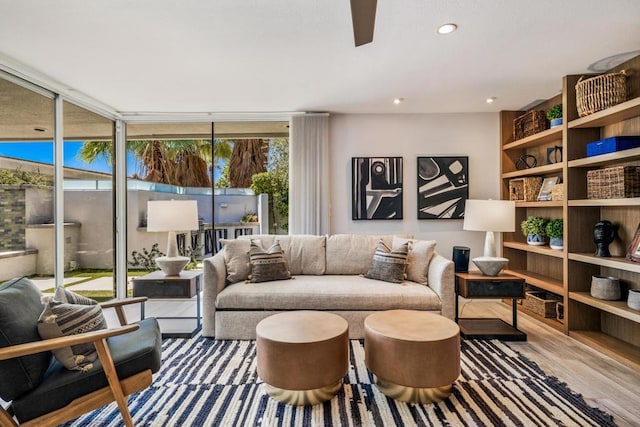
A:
(363, 15)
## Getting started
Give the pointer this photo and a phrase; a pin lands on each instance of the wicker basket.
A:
(557, 192)
(524, 189)
(600, 92)
(541, 303)
(560, 312)
(613, 183)
(529, 123)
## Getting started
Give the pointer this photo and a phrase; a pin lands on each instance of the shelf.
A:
(619, 263)
(534, 204)
(606, 159)
(539, 280)
(543, 250)
(617, 113)
(623, 352)
(540, 170)
(619, 308)
(540, 138)
(631, 201)
(549, 321)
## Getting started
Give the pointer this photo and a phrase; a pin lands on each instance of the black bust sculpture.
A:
(603, 234)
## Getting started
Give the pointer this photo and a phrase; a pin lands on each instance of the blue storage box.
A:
(611, 145)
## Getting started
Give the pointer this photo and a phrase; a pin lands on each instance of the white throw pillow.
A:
(420, 254)
(236, 258)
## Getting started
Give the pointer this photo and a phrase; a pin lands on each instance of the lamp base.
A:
(172, 266)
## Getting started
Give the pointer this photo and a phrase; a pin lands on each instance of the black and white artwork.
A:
(376, 187)
(443, 187)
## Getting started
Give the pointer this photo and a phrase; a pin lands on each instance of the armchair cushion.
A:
(132, 353)
(20, 307)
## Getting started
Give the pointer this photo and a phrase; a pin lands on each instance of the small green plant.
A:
(555, 228)
(249, 217)
(533, 225)
(555, 112)
(147, 259)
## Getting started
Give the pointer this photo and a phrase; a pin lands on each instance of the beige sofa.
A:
(327, 273)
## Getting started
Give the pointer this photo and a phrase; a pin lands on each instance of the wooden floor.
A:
(602, 381)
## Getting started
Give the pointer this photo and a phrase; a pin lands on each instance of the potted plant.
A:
(554, 230)
(534, 228)
(554, 114)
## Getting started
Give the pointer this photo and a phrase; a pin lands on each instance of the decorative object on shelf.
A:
(554, 154)
(534, 228)
(554, 115)
(633, 252)
(524, 189)
(529, 124)
(376, 188)
(541, 303)
(612, 145)
(490, 216)
(605, 287)
(555, 230)
(600, 92)
(545, 189)
(526, 161)
(604, 232)
(557, 192)
(633, 300)
(461, 258)
(613, 183)
(443, 187)
(172, 216)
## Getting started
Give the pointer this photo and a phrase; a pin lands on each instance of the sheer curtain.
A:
(309, 178)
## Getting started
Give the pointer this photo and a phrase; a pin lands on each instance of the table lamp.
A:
(490, 216)
(172, 216)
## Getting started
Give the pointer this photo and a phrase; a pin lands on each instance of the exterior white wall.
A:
(412, 136)
(17, 266)
(40, 236)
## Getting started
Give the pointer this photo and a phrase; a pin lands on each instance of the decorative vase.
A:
(535, 239)
(633, 301)
(603, 234)
(556, 243)
(605, 287)
(555, 122)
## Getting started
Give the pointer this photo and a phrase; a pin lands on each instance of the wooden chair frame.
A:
(117, 390)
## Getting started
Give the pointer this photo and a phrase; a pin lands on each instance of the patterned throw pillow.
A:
(389, 265)
(61, 319)
(267, 265)
(69, 297)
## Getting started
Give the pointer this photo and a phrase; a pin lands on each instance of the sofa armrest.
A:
(215, 273)
(442, 281)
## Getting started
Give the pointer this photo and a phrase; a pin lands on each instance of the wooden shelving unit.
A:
(608, 326)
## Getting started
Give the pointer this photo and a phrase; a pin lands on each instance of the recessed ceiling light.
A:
(398, 100)
(490, 100)
(39, 129)
(447, 28)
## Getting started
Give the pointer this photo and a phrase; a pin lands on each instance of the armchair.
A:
(40, 390)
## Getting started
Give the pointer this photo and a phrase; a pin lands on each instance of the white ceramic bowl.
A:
(490, 266)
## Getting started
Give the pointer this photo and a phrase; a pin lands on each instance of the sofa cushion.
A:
(352, 253)
(236, 259)
(305, 254)
(418, 259)
(20, 307)
(267, 265)
(329, 292)
(389, 265)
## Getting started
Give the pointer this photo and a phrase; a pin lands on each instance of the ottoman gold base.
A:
(413, 394)
(303, 397)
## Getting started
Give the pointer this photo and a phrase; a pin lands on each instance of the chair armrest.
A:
(120, 302)
(54, 343)
(214, 281)
(441, 280)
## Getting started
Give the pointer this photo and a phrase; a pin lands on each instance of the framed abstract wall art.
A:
(376, 188)
(443, 187)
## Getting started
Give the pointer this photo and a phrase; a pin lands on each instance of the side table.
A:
(156, 285)
(479, 286)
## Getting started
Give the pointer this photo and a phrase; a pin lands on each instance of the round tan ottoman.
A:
(302, 355)
(414, 355)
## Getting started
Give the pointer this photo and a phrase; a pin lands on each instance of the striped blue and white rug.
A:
(205, 382)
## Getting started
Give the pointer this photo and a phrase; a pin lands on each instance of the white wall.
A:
(412, 136)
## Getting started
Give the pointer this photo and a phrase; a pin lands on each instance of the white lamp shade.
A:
(489, 215)
(172, 215)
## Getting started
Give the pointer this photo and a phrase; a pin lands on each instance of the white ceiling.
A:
(298, 55)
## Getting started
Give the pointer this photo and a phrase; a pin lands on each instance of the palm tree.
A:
(249, 157)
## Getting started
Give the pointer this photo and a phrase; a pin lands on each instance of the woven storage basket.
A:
(557, 192)
(529, 123)
(600, 92)
(541, 303)
(524, 189)
(613, 183)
